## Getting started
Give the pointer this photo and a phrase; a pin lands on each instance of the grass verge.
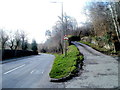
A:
(103, 50)
(65, 66)
(94, 46)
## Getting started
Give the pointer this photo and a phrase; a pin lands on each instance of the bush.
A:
(73, 38)
(64, 66)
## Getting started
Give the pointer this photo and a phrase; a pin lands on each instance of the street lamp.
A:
(61, 8)
(64, 49)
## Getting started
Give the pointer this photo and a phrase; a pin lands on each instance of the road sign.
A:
(65, 37)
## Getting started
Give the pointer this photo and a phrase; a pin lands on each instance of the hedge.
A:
(7, 54)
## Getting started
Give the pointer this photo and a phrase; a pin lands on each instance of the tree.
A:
(68, 24)
(17, 40)
(25, 47)
(48, 33)
(62, 27)
(98, 14)
(34, 45)
(11, 42)
(114, 15)
(104, 17)
(3, 38)
(11, 45)
(24, 40)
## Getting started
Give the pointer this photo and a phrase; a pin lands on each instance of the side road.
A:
(99, 70)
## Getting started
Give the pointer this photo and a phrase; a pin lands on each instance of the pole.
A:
(64, 31)
(62, 34)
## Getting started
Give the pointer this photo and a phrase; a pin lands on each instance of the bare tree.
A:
(11, 41)
(62, 27)
(17, 40)
(26, 45)
(24, 40)
(48, 33)
(114, 15)
(104, 18)
(3, 38)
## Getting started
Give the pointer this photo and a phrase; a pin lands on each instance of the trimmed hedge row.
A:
(73, 38)
(7, 54)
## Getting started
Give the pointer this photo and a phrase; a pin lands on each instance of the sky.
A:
(36, 16)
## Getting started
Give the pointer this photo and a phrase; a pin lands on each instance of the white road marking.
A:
(14, 69)
(32, 71)
(36, 71)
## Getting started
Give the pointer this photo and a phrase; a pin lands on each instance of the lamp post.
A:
(64, 33)
(61, 9)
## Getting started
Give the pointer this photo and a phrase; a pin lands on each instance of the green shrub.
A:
(64, 66)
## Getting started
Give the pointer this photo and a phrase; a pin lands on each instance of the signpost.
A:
(65, 37)
(65, 46)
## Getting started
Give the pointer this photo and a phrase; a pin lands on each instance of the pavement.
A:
(29, 72)
(99, 70)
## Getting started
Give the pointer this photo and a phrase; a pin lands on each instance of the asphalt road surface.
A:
(99, 70)
(29, 72)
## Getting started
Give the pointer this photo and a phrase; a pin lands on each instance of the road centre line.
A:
(14, 69)
(32, 71)
(35, 71)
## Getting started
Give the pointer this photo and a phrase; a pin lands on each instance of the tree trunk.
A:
(116, 25)
(117, 46)
(114, 18)
(61, 48)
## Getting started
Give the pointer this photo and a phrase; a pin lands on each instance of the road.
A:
(99, 70)
(29, 72)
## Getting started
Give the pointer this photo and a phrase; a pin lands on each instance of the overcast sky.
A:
(36, 16)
